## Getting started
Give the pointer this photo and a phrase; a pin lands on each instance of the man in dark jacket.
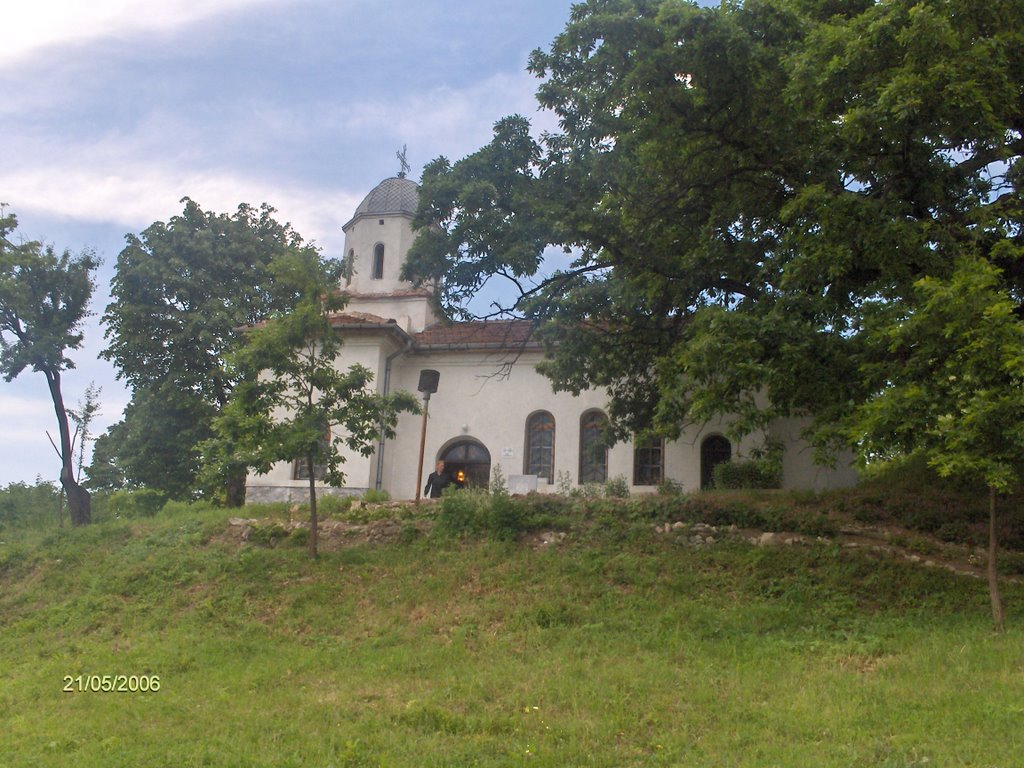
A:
(437, 481)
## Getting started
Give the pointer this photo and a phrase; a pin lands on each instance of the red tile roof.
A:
(347, 318)
(484, 333)
(405, 293)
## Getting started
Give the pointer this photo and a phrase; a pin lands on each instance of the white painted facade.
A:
(489, 387)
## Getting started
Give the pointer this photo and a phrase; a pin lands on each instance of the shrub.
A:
(670, 488)
(498, 485)
(589, 491)
(374, 496)
(461, 511)
(616, 487)
(751, 473)
(564, 484)
(333, 505)
(269, 534)
(504, 519)
(22, 504)
(299, 537)
(142, 502)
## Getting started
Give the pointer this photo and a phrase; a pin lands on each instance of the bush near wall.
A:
(749, 473)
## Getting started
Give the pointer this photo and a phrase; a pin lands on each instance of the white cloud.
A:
(457, 120)
(27, 419)
(138, 193)
(32, 26)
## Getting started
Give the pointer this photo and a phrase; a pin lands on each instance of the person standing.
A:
(437, 481)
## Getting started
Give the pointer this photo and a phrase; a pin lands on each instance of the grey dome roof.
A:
(394, 195)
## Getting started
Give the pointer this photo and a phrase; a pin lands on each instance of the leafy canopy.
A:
(181, 290)
(44, 299)
(739, 186)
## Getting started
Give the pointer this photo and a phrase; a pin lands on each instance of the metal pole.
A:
(423, 445)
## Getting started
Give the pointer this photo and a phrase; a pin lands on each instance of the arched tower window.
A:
(540, 446)
(593, 451)
(378, 261)
(713, 451)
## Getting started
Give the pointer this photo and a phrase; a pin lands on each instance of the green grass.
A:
(617, 648)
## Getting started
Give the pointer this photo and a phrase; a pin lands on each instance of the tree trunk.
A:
(313, 522)
(79, 504)
(235, 489)
(993, 578)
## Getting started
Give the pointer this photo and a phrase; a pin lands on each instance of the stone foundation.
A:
(293, 494)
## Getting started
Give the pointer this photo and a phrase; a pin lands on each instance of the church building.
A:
(491, 408)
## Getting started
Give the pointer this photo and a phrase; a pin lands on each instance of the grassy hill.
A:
(611, 646)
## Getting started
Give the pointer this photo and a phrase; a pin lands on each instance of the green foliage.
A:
(333, 505)
(299, 537)
(462, 511)
(616, 487)
(181, 290)
(669, 487)
(748, 473)
(141, 502)
(498, 485)
(270, 534)
(44, 299)
(958, 395)
(291, 402)
(288, 366)
(33, 505)
(155, 445)
(375, 496)
(738, 186)
(473, 512)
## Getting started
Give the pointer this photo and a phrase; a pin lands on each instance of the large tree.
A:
(293, 402)
(43, 300)
(735, 185)
(180, 291)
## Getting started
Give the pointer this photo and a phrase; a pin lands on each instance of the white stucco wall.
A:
(362, 236)
(475, 400)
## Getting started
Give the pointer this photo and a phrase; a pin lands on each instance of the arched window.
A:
(468, 456)
(713, 451)
(540, 446)
(648, 461)
(593, 451)
(378, 261)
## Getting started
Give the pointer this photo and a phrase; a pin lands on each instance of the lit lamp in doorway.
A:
(428, 386)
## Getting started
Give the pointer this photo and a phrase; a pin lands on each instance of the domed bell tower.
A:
(377, 239)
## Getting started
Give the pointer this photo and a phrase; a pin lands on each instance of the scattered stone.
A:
(677, 525)
(240, 521)
(767, 539)
(551, 537)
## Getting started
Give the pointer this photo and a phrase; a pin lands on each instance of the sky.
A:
(114, 110)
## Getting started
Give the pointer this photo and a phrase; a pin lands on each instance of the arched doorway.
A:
(713, 451)
(469, 456)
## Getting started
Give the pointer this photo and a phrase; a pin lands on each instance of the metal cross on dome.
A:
(403, 161)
